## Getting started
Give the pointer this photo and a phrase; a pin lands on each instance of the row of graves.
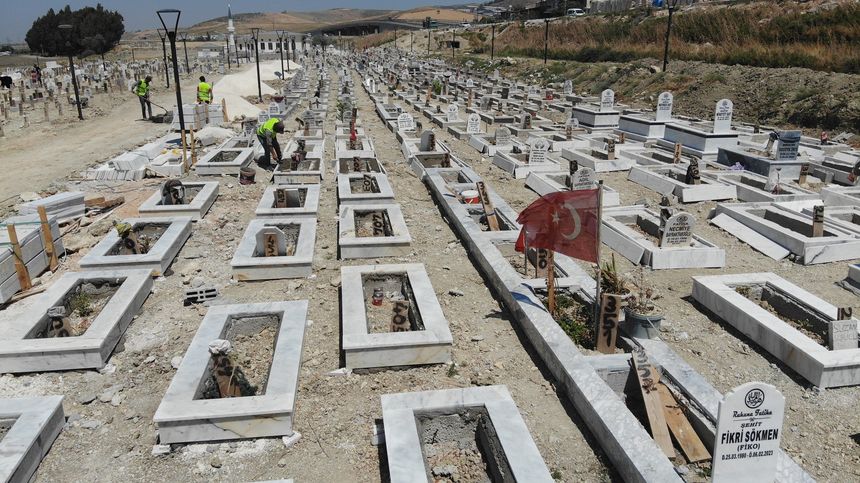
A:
(52, 97)
(786, 195)
(77, 321)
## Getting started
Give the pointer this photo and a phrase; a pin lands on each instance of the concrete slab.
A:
(38, 422)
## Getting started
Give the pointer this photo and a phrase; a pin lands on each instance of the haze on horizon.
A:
(17, 17)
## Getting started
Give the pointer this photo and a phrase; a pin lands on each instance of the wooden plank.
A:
(489, 210)
(95, 201)
(610, 309)
(20, 267)
(681, 429)
(648, 379)
(48, 239)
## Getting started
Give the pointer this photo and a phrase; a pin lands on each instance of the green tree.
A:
(95, 30)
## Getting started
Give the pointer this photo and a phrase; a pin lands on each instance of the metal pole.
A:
(132, 55)
(666, 46)
(281, 51)
(166, 74)
(172, 37)
(257, 57)
(453, 38)
(185, 47)
(545, 40)
(411, 41)
(428, 41)
(228, 52)
(75, 84)
(493, 44)
(395, 36)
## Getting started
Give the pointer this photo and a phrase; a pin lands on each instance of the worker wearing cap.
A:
(204, 91)
(267, 133)
(141, 88)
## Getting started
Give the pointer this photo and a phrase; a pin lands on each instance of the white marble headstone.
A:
(678, 231)
(453, 112)
(538, 148)
(749, 428)
(405, 122)
(607, 100)
(473, 124)
(503, 136)
(723, 116)
(568, 87)
(583, 179)
(664, 107)
(264, 240)
(842, 334)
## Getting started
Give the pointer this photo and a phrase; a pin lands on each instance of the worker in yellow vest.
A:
(267, 134)
(141, 89)
(204, 91)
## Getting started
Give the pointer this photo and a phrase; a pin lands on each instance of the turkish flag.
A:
(565, 222)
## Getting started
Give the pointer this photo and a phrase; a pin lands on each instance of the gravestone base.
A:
(545, 183)
(211, 165)
(353, 246)
(346, 195)
(157, 259)
(196, 208)
(670, 180)
(182, 417)
(363, 349)
(266, 208)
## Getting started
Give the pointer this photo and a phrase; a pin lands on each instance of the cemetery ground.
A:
(110, 433)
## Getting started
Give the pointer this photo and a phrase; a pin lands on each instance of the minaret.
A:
(231, 30)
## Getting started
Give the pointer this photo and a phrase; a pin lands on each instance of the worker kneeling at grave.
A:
(267, 133)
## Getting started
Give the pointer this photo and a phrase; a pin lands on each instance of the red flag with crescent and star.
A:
(565, 222)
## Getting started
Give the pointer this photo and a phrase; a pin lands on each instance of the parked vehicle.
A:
(575, 12)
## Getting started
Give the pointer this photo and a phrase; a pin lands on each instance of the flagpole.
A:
(550, 280)
(599, 273)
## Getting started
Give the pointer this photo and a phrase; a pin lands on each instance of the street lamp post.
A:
(171, 35)
(255, 34)
(67, 30)
(228, 53)
(672, 5)
(281, 50)
(163, 36)
(185, 48)
(428, 40)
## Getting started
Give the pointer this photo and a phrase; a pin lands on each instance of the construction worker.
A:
(267, 133)
(141, 88)
(204, 91)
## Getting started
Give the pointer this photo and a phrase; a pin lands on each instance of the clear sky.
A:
(16, 16)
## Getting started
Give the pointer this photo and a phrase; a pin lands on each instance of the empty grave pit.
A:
(373, 230)
(359, 164)
(224, 161)
(150, 243)
(208, 400)
(75, 324)
(275, 248)
(198, 199)
(790, 323)
(289, 200)
(472, 434)
(391, 317)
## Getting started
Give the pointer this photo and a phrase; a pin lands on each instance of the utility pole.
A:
(428, 40)
(185, 47)
(453, 38)
(164, 51)
(493, 43)
(668, 32)
(256, 37)
(227, 41)
(545, 40)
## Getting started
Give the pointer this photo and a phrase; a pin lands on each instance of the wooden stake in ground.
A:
(20, 267)
(193, 149)
(489, 210)
(184, 153)
(48, 239)
(804, 172)
(550, 281)
(224, 109)
(818, 221)
(681, 429)
(648, 379)
(676, 158)
(610, 309)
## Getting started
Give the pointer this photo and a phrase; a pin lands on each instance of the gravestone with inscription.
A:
(538, 149)
(453, 112)
(405, 122)
(503, 136)
(749, 428)
(607, 100)
(787, 145)
(583, 179)
(664, 107)
(271, 242)
(568, 87)
(678, 231)
(723, 116)
(842, 334)
(473, 124)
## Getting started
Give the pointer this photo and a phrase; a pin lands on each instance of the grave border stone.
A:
(245, 266)
(38, 422)
(157, 260)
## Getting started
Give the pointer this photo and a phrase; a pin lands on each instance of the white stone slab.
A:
(817, 364)
(402, 439)
(196, 208)
(206, 165)
(362, 349)
(353, 246)
(266, 208)
(159, 257)
(249, 264)
(345, 195)
(670, 180)
(751, 237)
(20, 349)
(183, 419)
(38, 422)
